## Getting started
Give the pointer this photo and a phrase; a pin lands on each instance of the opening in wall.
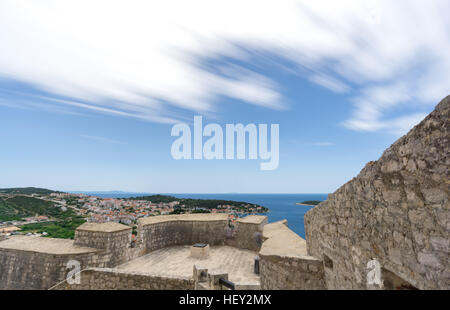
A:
(393, 282)
(327, 262)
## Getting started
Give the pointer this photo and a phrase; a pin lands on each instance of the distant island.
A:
(27, 190)
(309, 203)
(48, 213)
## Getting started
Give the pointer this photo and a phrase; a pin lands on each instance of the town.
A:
(32, 213)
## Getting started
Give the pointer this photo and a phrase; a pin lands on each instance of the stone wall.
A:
(395, 211)
(31, 270)
(284, 263)
(291, 273)
(113, 238)
(247, 233)
(39, 263)
(103, 240)
(181, 230)
(187, 229)
(110, 279)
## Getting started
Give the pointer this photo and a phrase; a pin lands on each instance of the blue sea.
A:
(281, 206)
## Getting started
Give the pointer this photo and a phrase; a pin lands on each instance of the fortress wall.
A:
(395, 211)
(103, 240)
(110, 279)
(39, 263)
(31, 270)
(116, 244)
(247, 233)
(284, 263)
(291, 273)
(187, 229)
(169, 233)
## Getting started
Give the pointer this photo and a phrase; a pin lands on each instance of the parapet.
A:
(103, 235)
(247, 232)
(51, 246)
(199, 217)
(281, 241)
(182, 229)
(253, 219)
(284, 262)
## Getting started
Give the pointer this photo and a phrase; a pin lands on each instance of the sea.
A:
(281, 206)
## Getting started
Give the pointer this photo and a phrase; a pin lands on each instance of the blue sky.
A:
(90, 106)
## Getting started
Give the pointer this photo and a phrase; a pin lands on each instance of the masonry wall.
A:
(22, 269)
(180, 231)
(116, 244)
(284, 263)
(110, 279)
(247, 235)
(30, 270)
(163, 234)
(395, 211)
(291, 273)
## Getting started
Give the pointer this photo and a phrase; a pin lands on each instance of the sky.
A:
(89, 90)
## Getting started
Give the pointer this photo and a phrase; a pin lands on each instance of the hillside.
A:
(8, 212)
(27, 191)
(18, 207)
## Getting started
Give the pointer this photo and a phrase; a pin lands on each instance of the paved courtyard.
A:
(176, 261)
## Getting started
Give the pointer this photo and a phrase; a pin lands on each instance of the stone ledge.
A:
(115, 271)
(110, 278)
(53, 246)
(252, 219)
(283, 242)
(183, 218)
(103, 227)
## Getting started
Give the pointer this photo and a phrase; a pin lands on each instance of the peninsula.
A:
(309, 203)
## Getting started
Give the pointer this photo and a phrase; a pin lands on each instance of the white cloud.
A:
(141, 58)
(373, 101)
(330, 83)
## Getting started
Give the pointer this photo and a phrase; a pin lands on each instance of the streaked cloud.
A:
(330, 83)
(143, 59)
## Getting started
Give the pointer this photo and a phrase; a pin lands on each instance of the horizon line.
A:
(178, 193)
(161, 193)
